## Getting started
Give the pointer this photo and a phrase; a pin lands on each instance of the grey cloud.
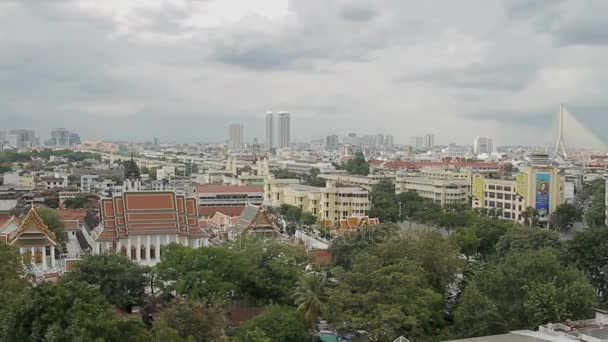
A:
(358, 11)
(481, 77)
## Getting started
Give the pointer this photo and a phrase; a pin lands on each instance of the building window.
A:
(123, 250)
(492, 187)
(142, 251)
(152, 252)
(499, 196)
(507, 197)
(133, 252)
(507, 188)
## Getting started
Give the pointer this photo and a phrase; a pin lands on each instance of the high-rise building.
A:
(483, 145)
(235, 136)
(429, 140)
(389, 140)
(269, 130)
(418, 142)
(380, 140)
(21, 137)
(351, 139)
(60, 137)
(332, 142)
(284, 130)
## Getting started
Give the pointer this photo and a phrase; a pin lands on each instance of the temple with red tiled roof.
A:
(137, 224)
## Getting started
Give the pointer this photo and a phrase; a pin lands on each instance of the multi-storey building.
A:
(538, 187)
(269, 130)
(284, 130)
(483, 145)
(228, 199)
(332, 142)
(330, 203)
(21, 137)
(365, 182)
(235, 133)
(442, 186)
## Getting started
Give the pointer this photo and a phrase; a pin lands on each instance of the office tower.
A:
(418, 142)
(235, 136)
(351, 139)
(21, 137)
(483, 145)
(3, 136)
(284, 130)
(269, 130)
(389, 140)
(332, 142)
(74, 139)
(156, 141)
(429, 140)
(380, 140)
(60, 137)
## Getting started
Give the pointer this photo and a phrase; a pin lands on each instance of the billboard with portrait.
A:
(543, 192)
(478, 187)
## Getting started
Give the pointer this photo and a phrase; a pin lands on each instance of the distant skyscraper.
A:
(269, 130)
(483, 145)
(379, 140)
(389, 140)
(284, 130)
(429, 140)
(332, 142)
(156, 141)
(235, 136)
(351, 139)
(60, 137)
(21, 137)
(418, 142)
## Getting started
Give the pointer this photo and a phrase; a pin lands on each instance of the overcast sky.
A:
(185, 69)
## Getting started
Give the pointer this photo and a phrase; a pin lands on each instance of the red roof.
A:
(233, 210)
(396, 164)
(214, 188)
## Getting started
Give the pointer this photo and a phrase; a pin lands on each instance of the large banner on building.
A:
(521, 185)
(478, 187)
(543, 191)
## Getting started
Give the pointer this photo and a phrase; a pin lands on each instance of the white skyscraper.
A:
(235, 136)
(284, 130)
(269, 130)
(483, 145)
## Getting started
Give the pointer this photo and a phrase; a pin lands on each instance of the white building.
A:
(483, 145)
(269, 130)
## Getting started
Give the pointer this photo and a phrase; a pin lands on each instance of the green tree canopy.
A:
(564, 216)
(70, 311)
(272, 269)
(119, 279)
(385, 300)
(522, 291)
(192, 321)
(277, 323)
(589, 252)
(357, 165)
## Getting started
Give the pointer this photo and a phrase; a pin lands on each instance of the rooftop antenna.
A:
(560, 146)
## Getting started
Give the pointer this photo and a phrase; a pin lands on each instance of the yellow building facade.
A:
(539, 187)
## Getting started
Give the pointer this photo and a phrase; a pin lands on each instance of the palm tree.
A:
(311, 299)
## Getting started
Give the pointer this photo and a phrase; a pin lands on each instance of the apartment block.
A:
(442, 186)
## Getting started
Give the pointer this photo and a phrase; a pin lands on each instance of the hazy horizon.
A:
(185, 70)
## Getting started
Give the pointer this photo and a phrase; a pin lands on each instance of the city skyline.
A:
(173, 69)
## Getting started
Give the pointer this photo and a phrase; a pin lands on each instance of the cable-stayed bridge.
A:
(569, 133)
